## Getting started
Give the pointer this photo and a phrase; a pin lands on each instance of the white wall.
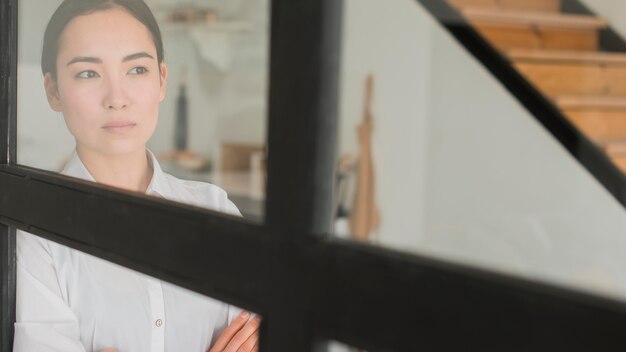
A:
(612, 10)
(227, 98)
(502, 192)
(390, 40)
(43, 139)
(464, 173)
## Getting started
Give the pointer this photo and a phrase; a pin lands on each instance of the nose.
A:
(116, 96)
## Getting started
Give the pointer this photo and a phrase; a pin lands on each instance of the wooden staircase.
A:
(559, 53)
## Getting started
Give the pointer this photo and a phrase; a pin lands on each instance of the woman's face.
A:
(108, 83)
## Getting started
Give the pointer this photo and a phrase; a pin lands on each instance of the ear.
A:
(52, 92)
(163, 79)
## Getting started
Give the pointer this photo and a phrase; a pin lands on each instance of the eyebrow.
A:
(96, 60)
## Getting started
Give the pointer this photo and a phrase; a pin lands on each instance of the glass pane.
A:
(68, 300)
(448, 164)
(211, 120)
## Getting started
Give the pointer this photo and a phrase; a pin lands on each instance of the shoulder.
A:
(201, 194)
(34, 253)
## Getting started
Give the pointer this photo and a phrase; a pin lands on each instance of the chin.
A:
(123, 148)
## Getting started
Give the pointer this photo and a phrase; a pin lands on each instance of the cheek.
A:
(149, 98)
(78, 98)
(79, 107)
(146, 101)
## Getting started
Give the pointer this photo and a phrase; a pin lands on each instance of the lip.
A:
(119, 126)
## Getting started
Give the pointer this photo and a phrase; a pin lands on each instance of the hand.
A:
(242, 335)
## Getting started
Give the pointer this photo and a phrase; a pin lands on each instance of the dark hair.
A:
(74, 8)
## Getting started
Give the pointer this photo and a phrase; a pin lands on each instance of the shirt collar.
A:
(76, 168)
(158, 184)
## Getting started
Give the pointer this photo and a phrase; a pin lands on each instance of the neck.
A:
(132, 171)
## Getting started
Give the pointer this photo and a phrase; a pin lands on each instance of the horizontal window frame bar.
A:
(318, 273)
(380, 299)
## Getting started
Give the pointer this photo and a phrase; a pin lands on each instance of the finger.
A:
(242, 335)
(255, 348)
(248, 346)
(230, 331)
(251, 328)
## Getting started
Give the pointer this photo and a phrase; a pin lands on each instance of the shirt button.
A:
(158, 323)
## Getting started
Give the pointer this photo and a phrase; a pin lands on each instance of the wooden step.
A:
(616, 151)
(590, 103)
(564, 56)
(525, 5)
(599, 125)
(614, 148)
(530, 18)
(620, 162)
(573, 73)
(599, 118)
(538, 30)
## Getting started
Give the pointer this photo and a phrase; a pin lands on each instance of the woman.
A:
(103, 69)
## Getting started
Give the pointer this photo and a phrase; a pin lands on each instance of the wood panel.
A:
(526, 5)
(507, 37)
(572, 79)
(599, 124)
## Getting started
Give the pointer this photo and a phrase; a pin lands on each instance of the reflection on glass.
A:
(439, 159)
(336, 346)
(71, 301)
(209, 97)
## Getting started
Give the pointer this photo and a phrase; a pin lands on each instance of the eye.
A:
(139, 70)
(87, 74)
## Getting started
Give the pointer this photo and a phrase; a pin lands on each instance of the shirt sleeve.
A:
(44, 321)
(230, 207)
(233, 312)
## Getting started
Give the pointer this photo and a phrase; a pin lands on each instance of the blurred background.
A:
(212, 123)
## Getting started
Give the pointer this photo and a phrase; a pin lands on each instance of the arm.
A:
(44, 321)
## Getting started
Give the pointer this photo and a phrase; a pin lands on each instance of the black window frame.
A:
(309, 287)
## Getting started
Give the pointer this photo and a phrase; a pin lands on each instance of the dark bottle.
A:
(181, 116)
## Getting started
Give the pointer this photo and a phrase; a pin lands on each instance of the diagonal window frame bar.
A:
(308, 287)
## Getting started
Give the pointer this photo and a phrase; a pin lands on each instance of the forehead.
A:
(111, 31)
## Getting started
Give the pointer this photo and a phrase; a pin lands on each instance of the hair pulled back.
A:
(70, 9)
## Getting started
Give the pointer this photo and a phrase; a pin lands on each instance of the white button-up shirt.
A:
(70, 301)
